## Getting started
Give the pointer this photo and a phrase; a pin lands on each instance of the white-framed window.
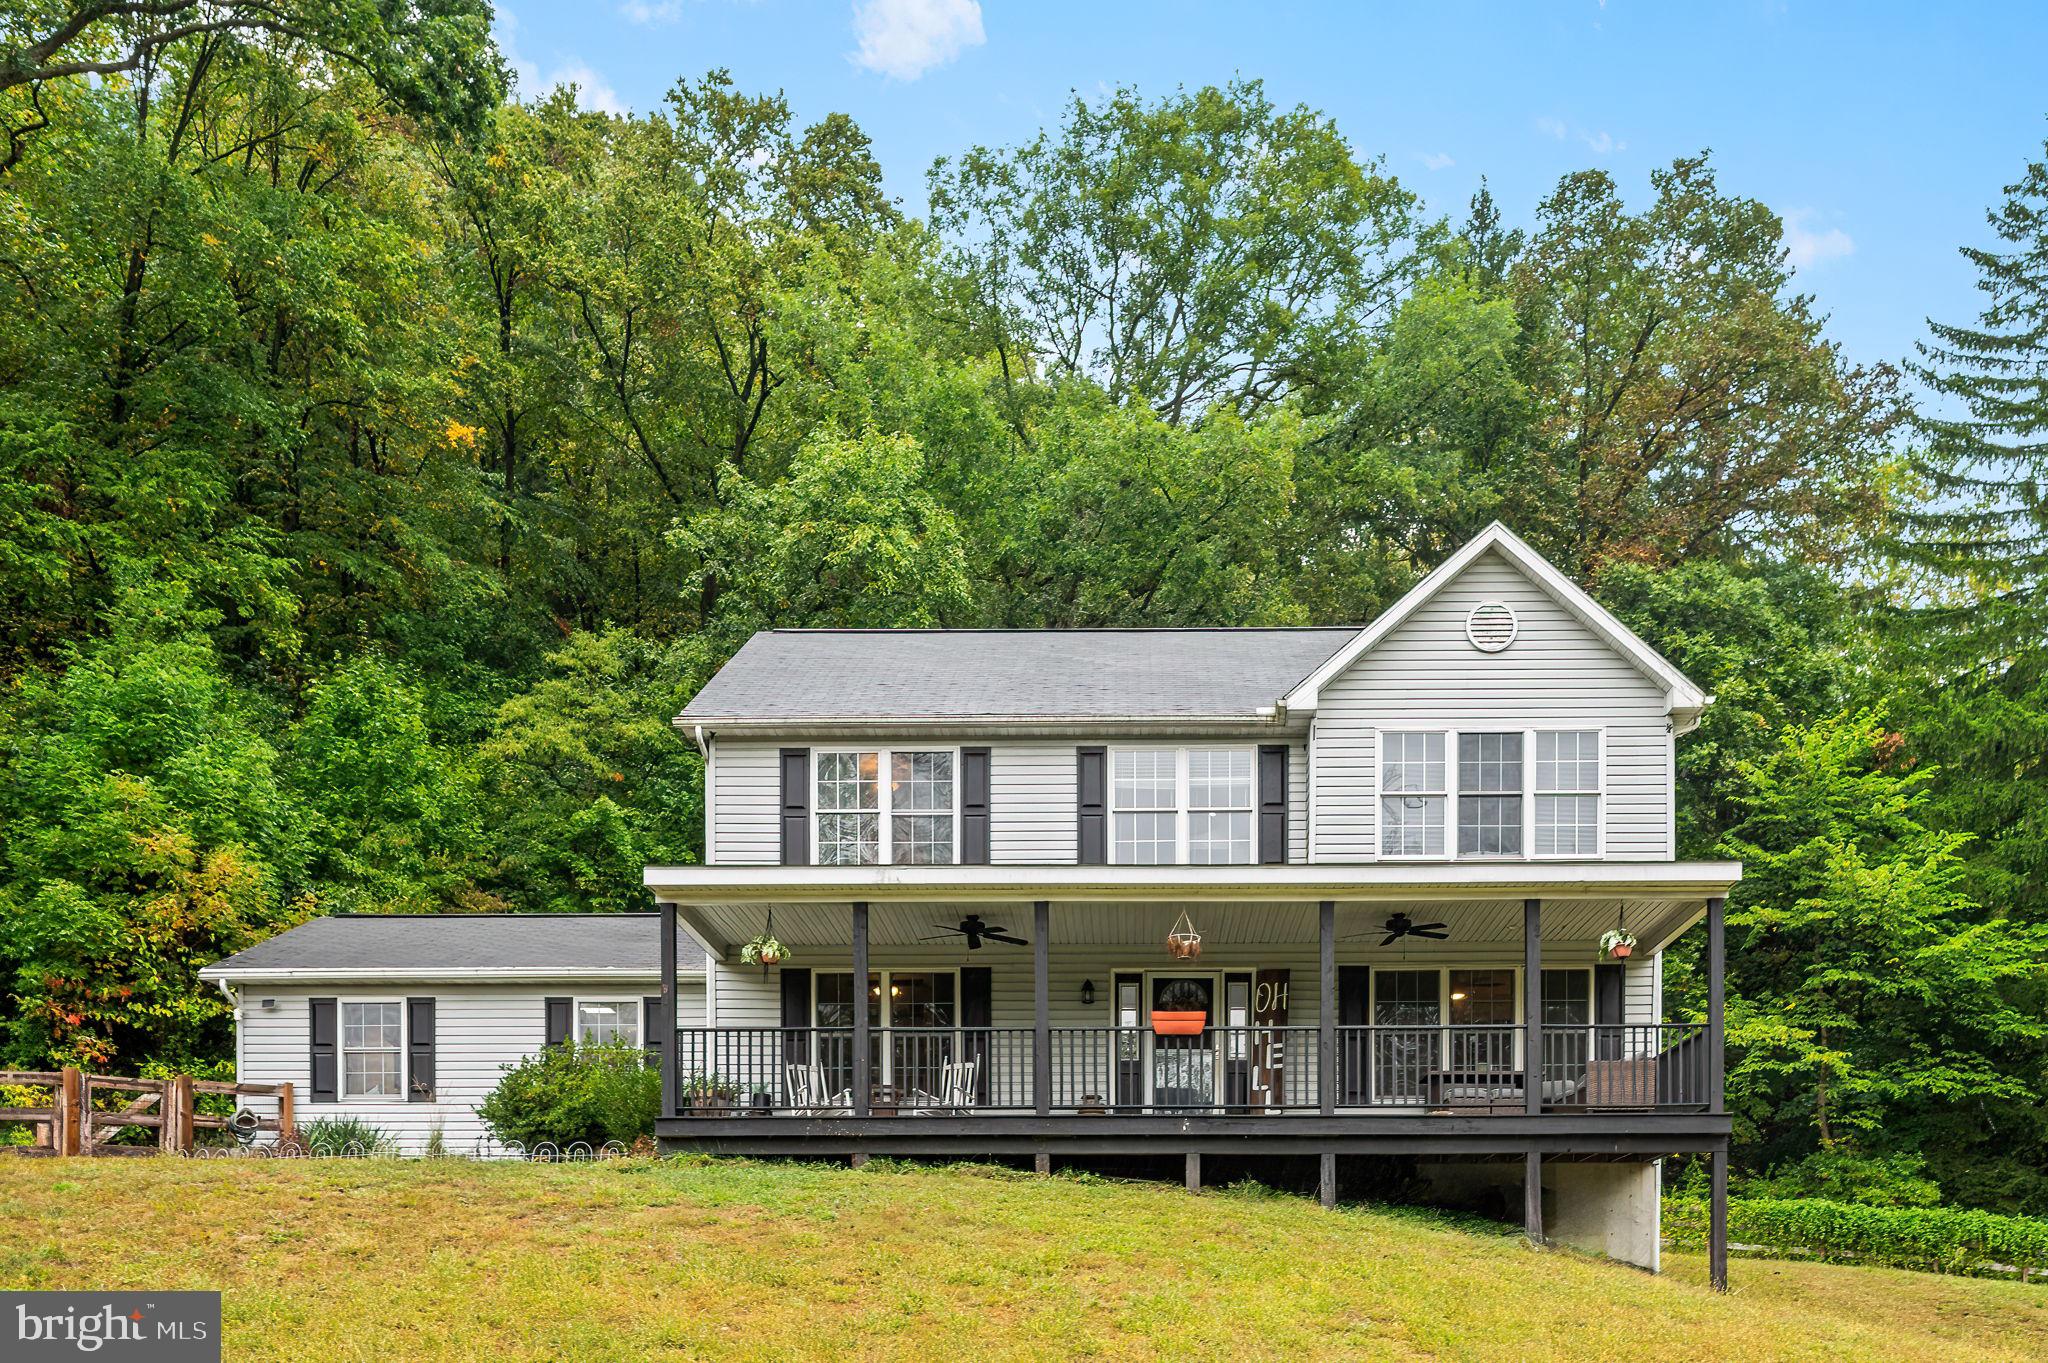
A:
(1181, 806)
(1568, 793)
(899, 805)
(1490, 795)
(1414, 791)
(372, 1049)
(600, 1022)
(1511, 793)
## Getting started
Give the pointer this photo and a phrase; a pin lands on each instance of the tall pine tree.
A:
(1982, 540)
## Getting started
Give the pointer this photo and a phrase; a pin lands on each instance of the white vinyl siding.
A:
(478, 1030)
(1032, 813)
(1558, 676)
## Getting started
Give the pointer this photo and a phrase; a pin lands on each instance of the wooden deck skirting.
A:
(77, 1122)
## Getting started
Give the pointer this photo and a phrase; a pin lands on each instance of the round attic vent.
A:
(1491, 627)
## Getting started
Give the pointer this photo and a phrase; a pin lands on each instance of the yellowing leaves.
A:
(457, 434)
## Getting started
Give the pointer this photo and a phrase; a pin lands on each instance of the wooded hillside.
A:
(382, 461)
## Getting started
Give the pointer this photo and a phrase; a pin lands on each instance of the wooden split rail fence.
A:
(86, 1111)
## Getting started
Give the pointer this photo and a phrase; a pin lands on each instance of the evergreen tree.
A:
(1981, 541)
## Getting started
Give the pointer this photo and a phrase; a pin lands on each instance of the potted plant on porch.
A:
(709, 1095)
(1617, 944)
(763, 951)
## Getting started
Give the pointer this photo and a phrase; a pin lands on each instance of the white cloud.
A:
(1554, 127)
(1805, 247)
(1437, 160)
(593, 91)
(906, 38)
(1602, 142)
(652, 11)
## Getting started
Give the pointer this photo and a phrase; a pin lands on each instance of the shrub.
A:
(575, 1093)
(334, 1136)
(1942, 1239)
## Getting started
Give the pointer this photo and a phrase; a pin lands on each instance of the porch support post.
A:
(1326, 1181)
(863, 1062)
(1532, 1019)
(1532, 1197)
(1326, 1006)
(1041, 1008)
(1717, 989)
(1194, 1171)
(1717, 1222)
(665, 1015)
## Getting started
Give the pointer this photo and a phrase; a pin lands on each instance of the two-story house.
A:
(1330, 892)
(1335, 893)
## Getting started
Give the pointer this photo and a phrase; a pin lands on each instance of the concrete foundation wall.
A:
(1610, 1209)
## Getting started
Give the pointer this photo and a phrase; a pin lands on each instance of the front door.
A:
(1184, 1068)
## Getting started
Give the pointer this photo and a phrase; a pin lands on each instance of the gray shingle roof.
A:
(828, 674)
(467, 942)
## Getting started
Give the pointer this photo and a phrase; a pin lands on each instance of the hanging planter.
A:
(765, 950)
(1618, 944)
(1184, 943)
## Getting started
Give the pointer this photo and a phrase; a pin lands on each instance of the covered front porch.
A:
(935, 1011)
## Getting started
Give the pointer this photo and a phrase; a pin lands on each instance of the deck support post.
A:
(1532, 1197)
(1326, 1006)
(1717, 1221)
(863, 1062)
(1041, 1163)
(1041, 1008)
(665, 1016)
(857, 1160)
(1532, 1021)
(1194, 1171)
(1717, 990)
(1326, 1180)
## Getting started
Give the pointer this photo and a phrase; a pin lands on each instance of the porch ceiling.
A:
(1488, 926)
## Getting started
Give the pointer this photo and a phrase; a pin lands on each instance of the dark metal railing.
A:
(961, 1071)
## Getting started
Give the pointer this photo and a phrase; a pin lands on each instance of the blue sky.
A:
(1881, 131)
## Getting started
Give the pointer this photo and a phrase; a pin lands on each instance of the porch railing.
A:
(966, 1071)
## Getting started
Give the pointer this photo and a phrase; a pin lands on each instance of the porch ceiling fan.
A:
(1400, 925)
(976, 932)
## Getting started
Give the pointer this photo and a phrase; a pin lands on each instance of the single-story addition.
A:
(406, 1021)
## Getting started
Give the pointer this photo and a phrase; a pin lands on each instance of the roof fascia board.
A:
(1262, 721)
(714, 885)
(472, 974)
(1682, 697)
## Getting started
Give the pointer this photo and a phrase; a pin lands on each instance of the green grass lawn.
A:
(340, 1260)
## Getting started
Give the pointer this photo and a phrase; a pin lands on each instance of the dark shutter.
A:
(326, 1062)
(558, 1018)
(1272, 803)
(1091, 790)
(796, 1016)
(650, 1029)
(796, 806)
(1609, 985)
(1354, 993)
(419, 1050)
(977, 1012)
(974, 806)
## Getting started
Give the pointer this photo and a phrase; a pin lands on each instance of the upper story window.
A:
(911, 818)
(1499, 803)
(1181, 806)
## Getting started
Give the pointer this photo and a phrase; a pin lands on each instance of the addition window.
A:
(370, 1045)
(910, 819)
(1568, 794)
(1181, 806)
(1489, 795)
(601, 1022)
(1412, 795)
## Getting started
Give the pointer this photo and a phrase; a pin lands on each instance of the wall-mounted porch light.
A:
(1087, 992)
